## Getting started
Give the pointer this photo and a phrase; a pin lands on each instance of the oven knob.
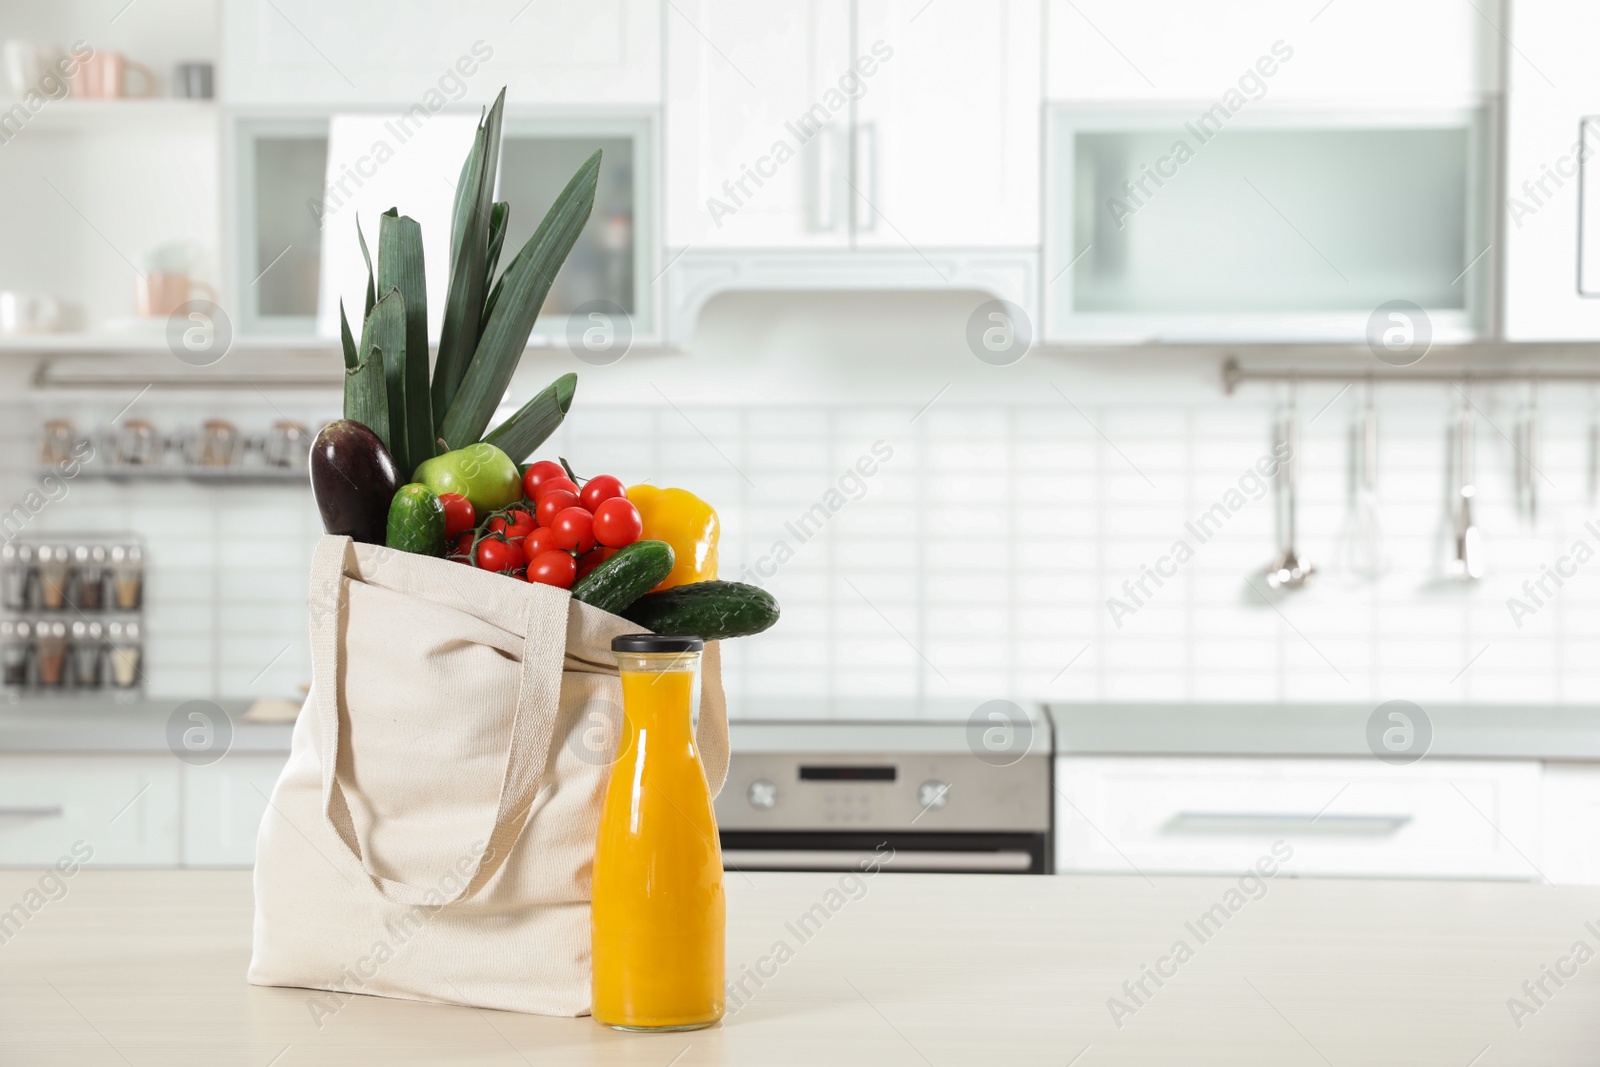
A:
(933, 794)
(763, 794)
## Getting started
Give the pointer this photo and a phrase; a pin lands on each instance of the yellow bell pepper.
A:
(685, 522)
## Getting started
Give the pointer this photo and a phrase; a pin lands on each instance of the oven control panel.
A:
(786, 791)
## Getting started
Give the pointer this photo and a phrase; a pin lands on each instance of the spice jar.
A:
(126, 654)
(127, 576)
(137, 443)
(56, 446)
(89, 565)
(53, 563)
(50, 652)
(87, 638)
(16, 575)
(287, 444)
(14, 639)
(217, 442)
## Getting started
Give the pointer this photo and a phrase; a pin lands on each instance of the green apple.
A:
(481, 473)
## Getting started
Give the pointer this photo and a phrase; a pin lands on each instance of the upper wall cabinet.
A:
(834, 124)
(1372, 52)
(1552, 179)
(946, 148)
(757, 123)
(405, 51)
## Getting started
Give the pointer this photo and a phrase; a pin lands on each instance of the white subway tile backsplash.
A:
(977, 561)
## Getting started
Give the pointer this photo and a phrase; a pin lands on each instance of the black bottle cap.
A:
(655, 643)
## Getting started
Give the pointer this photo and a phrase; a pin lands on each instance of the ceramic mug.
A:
(27, 64)
(28, 313)
(162, 292)
(104, 76)
(193, 81)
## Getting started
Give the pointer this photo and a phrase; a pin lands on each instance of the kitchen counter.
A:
(147, 968)
(1463, 731)
(91, 726)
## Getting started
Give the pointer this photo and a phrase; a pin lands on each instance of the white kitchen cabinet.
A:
(1551, 222)
(1436, 818)
(757, 125)
(412, 51)
(223, 803)
(1367, 52)
(122, 811)
(828, 124)
(946, 142)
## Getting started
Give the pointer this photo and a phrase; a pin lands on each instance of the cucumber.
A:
(711, 611)
(416, 521)
(626, 576)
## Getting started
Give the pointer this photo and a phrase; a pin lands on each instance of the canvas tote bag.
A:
(432, 835)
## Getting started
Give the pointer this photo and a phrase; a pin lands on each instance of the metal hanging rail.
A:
(1234, 375)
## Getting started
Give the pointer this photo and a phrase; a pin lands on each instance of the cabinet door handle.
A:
(31, 812)
(825, 180)
(866, 177)
(1588, 133)
(1231, 822)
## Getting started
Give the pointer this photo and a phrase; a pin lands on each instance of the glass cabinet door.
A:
(1270, 227)
(281, 167)
(607, 271)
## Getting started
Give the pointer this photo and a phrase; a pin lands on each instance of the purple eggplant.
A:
(353, 478)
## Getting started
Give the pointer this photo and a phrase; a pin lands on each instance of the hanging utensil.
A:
(1359, 553)
(1466, 560)
(1527, 461)
(1290, 570)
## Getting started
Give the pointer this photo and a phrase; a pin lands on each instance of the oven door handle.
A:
(824, 859)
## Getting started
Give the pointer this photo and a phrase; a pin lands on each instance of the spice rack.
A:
(73, 615)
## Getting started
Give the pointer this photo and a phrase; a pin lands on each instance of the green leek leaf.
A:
(350, 357)
(469, 257)
(536, 420)
(384, 333)
(400, 266)
(526, 284)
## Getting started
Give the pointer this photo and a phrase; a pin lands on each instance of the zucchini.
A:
(626, 576)
(711, 611)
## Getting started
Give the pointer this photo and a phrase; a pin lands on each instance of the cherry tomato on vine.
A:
(542, 539)
(553, 503)
(574, 529)
(515, 525)
(458, 514)
(551, 485)
(617, 522)
(600, 488)
(555, 568)
(500, 556)
(537, 474)
(463, 544)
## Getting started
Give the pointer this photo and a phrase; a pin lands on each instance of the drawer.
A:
(222, 808)
(125, 808)
(1436, 818)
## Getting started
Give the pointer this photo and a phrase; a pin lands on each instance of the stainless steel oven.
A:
(928, 795)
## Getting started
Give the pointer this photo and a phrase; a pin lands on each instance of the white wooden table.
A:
(147, 968)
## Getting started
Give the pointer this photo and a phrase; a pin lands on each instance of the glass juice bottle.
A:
(659, 912)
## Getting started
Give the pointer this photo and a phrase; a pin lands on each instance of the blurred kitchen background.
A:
(958, 238)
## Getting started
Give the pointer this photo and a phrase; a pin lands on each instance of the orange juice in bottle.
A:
(658, 906)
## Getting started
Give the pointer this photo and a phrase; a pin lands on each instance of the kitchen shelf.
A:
(220, 476)
(122, 116)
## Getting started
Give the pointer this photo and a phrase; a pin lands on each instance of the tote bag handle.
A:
(537, 705)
